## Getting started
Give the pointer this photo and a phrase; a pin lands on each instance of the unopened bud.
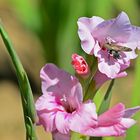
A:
(80, 65)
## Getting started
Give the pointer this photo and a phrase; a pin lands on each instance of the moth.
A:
(115, 49)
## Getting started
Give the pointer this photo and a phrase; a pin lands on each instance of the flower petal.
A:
(47, 102)
(62, 121)
(129, 112)
(61, 84)
(121, 74)
(91, 23)
(118, 29)
(85, 27)
(118, 129)
(111, 69)
(112, 116)
(83, 118)
(111, 123)
(134, 39)
(101, 78)
(102, 131)
(47, 75)
(129, 55)
(127, 122)
(59, 136)
(47, 120)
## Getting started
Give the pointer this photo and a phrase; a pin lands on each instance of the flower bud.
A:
(80, 65)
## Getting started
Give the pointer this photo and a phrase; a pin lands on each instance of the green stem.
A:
(25, 89)
(105, 104)
(95, 138)
(90, 89)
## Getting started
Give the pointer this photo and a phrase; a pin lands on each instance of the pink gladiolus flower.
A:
(62, 101)
(113, 122)
(60, 109)
(98, 36)
(80, 65)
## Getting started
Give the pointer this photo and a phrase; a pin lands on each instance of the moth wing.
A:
(126, 49)
(116, 47)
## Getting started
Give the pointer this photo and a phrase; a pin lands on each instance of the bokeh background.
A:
(45, 31)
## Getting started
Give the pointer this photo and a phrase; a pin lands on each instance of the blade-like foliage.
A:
(107, 98)
(25, 89)
(135, 100)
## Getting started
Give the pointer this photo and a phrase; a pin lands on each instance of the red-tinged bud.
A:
(80, 65)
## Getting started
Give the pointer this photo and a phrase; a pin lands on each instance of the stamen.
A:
(64, 98)
(109, 40)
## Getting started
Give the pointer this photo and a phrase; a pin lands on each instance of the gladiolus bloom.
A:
(113, 122)
(62, 101)
(98, 35)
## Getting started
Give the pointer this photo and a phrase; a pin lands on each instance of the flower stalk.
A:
(90, 87)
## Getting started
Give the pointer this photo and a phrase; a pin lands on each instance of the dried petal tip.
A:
(80, 65)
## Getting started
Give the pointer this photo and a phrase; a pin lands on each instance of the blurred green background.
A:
(45, 31)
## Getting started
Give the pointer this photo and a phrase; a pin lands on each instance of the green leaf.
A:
(98, 99)
(135, 100)
(75, 136)
(95, 138)
(107, 98)
(78, 136)
(108, 138)
(25, 89)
